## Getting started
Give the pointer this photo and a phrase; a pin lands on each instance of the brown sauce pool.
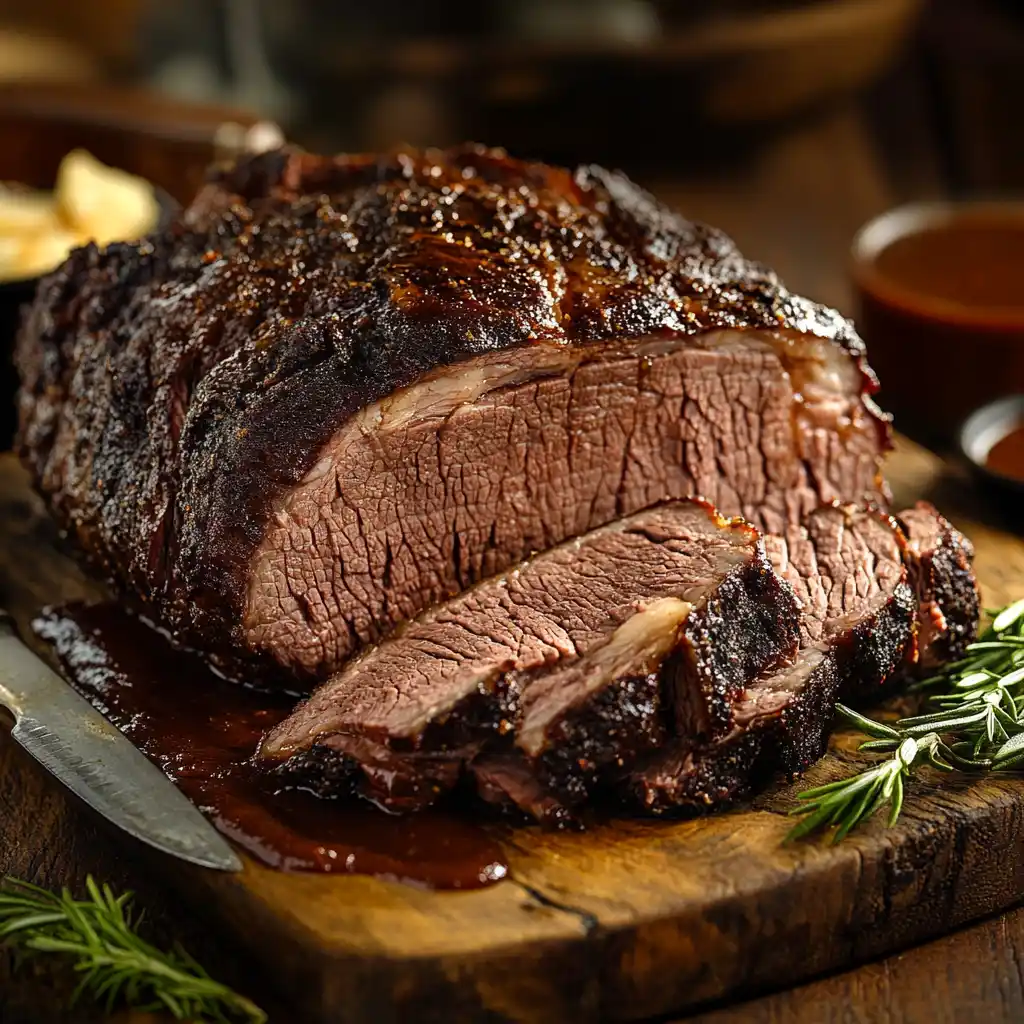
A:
(1006, 456)
(202, 731)
(974, 261)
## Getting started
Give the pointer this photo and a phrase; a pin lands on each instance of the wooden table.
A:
(795, 207)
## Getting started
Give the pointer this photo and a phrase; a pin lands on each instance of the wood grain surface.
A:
(971, 977)
(629, 920)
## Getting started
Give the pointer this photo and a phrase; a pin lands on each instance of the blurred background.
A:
(790, 123)
(781, 120)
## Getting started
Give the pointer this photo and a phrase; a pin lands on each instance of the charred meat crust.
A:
(747, 627)
(744, 629)
(619, 724)
(174, 389)
(791, 736)
(694, 777)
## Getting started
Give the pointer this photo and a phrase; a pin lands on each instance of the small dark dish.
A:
(992, 441)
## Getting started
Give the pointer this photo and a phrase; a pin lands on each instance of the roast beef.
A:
(566, 653)
(339, 390)
(862, 622)
(506, 780)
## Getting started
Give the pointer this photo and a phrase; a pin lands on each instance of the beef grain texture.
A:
(878, 595)
(338, 390)
(563, 655)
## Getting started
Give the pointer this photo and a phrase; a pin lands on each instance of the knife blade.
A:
(98, 763)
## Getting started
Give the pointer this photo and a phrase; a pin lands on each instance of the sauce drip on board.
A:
(202, 731)
(1006, 456)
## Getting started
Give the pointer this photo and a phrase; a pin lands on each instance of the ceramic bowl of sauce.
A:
(992, 441)
(941, 308)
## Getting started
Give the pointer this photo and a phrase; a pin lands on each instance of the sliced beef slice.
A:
(939, 561)
(613, 603)
(848, 567)
(506, 780)
(600, 710)
(339, 390)
(395, 782)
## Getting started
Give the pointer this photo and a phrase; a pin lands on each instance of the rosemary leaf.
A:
(117, 966)
(896, 799)
(880, 746)
(947, 723)
(974, 679)
(1012, 678)
(1008, 616)
(1009, 764)
(974, 725)
(868, 725)
(1014, 745)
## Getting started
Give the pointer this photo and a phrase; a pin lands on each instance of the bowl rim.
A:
(913, 218)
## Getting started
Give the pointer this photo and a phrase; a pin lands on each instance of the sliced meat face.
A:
(840, 561)
(848, 567)
(338, 390)
(612, 605)
(449, 481)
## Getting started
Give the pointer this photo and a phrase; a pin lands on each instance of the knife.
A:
(98, 763)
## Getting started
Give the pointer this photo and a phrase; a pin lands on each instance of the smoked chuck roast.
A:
(338, 390)
(418, 429)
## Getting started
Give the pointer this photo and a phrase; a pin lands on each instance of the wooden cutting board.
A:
(628, 920)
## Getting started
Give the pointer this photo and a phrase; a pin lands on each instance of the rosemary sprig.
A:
(117, 966)
(974, 723)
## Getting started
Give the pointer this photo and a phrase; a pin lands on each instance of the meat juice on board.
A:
(203, 731)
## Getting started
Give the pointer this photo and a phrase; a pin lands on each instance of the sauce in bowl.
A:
(1006, 456)
(991, 441)
(941, 296)
(975, 266)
